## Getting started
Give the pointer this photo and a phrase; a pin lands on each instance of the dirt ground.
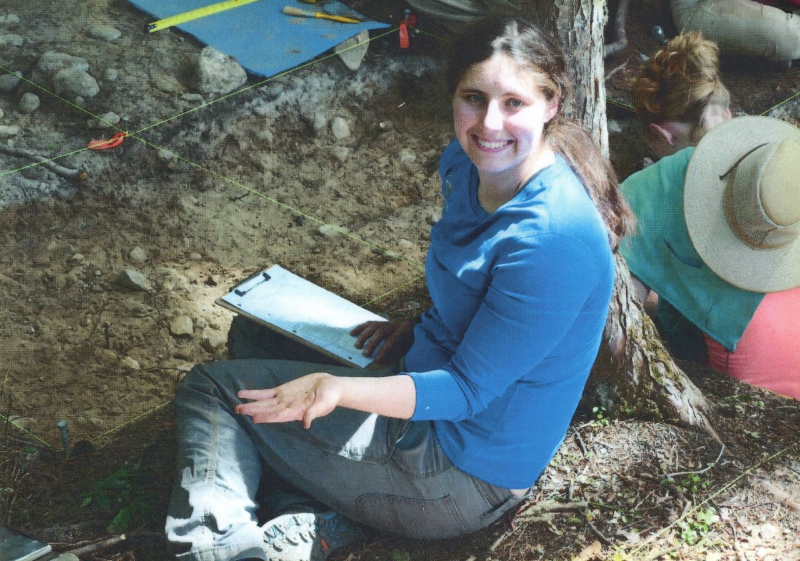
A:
(209, 189)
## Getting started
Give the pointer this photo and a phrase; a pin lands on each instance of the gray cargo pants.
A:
(389, 474)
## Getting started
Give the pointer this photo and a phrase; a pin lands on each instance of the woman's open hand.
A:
(303, 399)
(397, 336)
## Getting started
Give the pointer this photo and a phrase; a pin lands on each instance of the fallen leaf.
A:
(592, 551)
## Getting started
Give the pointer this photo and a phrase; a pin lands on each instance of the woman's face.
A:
(500, 114)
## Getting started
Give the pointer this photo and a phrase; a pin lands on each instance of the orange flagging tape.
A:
(112, 142)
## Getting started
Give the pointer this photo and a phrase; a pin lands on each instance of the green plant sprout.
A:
(694, 528)
(128, 493)
(693, 483)
(600, 414)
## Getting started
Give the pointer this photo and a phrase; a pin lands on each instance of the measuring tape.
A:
(195, 14)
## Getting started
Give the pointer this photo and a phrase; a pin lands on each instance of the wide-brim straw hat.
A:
(742, 203)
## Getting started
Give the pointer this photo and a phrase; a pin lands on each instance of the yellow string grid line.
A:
(135, 136)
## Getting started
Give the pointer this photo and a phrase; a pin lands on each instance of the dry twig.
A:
(530, 511)
(581, 443)
(661, 553)
(98, 546)
(597, 532)
(68, 173)
(617, 69)
(705, 469)
(781, 495)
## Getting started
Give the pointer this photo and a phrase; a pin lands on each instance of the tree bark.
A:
(634, 374)
(578, 24)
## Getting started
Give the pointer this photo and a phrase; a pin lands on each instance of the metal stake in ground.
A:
(62, 426)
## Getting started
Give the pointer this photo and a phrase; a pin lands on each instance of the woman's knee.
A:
(216, 378)
(200, 374)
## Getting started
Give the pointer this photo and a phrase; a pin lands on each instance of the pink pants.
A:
(768, 354)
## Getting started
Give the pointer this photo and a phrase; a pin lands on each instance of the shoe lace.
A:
(333, 526)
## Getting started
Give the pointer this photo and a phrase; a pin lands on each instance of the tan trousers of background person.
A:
(741, 27)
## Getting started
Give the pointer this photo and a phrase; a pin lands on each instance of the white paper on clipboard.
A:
(303, 311)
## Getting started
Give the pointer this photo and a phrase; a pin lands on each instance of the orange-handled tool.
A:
(292, 11)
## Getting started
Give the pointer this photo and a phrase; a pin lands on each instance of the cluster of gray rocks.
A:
(59, 78)
(71, 78)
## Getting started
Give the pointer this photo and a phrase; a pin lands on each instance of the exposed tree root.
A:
(621, 37)
(66, 172)
(635, 375)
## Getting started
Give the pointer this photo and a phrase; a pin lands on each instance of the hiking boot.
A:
(308, 536)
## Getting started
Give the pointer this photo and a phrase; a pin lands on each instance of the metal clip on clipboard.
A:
(251, 283)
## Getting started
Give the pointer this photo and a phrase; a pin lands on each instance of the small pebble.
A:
(181, 325)
(9, 20)
(104, 32)
(11, 40)
(329, 230)
(340, 153)
(130, 363)
(132, 279)
(407, 158)
(104, 121)
(137, 255)
(340, 128)
(8, 82)
(29, 102)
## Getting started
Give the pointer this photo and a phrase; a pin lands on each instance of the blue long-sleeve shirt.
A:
(520, 298)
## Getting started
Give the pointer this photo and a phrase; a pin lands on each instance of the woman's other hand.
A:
(304, 399)
(396, 336)
(316, 395)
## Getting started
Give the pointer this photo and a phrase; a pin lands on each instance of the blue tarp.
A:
(263, 40)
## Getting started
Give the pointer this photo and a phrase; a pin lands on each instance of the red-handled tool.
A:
(408, 22)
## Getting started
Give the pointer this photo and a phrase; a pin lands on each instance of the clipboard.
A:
(16, 547)
(303, 311)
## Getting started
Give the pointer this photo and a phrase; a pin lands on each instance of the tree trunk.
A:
(634, 374)
(578, 24)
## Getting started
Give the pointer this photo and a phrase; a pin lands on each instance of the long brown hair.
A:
(534, 50)
(679, 83)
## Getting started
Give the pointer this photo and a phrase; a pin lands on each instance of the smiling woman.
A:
(500, 116)
(520, 271)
